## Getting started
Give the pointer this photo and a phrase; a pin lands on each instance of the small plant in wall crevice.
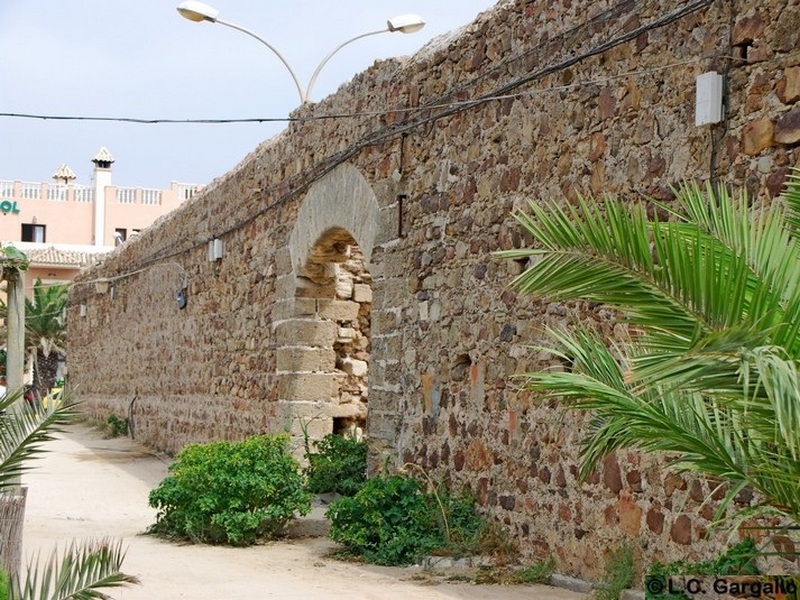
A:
(117, 426)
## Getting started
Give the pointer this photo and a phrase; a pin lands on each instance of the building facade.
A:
(64, 226)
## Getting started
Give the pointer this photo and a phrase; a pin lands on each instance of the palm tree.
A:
(711, 295)
(81, 570)
(45, 332)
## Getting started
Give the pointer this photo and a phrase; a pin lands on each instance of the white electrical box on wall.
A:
(214, 250)
(708, 106)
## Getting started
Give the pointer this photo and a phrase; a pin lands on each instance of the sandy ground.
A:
(88, 487)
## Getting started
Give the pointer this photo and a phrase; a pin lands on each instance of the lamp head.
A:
(197, 11)
(406, 23)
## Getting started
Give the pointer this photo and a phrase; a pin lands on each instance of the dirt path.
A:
(87, 486)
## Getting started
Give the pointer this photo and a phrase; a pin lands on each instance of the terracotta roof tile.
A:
(67, 258)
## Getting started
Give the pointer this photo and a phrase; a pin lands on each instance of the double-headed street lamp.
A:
(198, 11)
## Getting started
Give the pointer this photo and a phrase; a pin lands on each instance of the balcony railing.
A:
(31, 191)
(57, 193)
(186, 191)
(83, 194)
(151, 197)
(126, 195)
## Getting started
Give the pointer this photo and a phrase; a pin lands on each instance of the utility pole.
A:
(15, 322)
(12, 502)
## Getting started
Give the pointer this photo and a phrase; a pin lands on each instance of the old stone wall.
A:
(420, 173)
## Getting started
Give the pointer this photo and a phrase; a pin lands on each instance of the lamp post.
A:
(199, 11)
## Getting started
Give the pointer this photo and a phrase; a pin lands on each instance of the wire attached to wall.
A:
(430, 113)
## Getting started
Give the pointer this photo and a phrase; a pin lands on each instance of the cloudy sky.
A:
(140, 59)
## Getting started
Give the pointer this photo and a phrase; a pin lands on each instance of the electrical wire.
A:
(430, 113)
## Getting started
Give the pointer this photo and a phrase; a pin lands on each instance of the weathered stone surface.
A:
(630, 516)
(358, 368)
(747, 29)
(681, 530)
(758, 136)
(655, 520)
(611, 473)
(338, 310)
(305, 359)
(787, 129)
(788, 87)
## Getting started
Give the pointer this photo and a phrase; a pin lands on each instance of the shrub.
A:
(388, 522)
(393, 521)
(339, 465)
(465, 528)
(230, 492)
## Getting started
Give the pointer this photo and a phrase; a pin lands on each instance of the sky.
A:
(141, 59)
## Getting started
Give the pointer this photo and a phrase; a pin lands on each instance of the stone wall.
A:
(420, 172)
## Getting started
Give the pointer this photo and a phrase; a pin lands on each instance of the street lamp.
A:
(199, 11)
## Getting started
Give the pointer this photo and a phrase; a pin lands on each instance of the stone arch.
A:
(322, 328)
(342, 199)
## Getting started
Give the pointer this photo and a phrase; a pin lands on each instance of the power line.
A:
(442, 109)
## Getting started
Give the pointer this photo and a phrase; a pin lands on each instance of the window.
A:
(120, 235)
(33, 233)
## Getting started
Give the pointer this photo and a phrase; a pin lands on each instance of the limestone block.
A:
(305, 359)
(285, 286)
(352, 410)
(346, 335)
(283, 261)
(344, 288)
(362, 292)
(294, 307)
(306, 332)
(356, 368)
(307, 387)
(757, 136)
(787, 129)
(338, 310)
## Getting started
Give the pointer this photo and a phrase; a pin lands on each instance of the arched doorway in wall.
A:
(335, 276)
(323, 317)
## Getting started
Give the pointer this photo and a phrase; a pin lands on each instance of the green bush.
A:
(230, 492)
(3, 585)
(339, 465)
(388, 522)
(393, 521)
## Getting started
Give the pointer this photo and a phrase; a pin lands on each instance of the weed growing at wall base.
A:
(117, 426)
(393, 521)
(339, 465)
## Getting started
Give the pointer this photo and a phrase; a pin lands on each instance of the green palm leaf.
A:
(79, 573)
(710, 375)
(23, 431)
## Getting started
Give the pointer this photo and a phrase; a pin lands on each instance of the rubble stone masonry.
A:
(358, 268)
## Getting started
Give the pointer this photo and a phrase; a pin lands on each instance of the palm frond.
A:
(23, 431)
(79, 573)
(711, 375)
(791, 195)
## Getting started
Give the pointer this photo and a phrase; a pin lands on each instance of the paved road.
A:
(87, 486)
